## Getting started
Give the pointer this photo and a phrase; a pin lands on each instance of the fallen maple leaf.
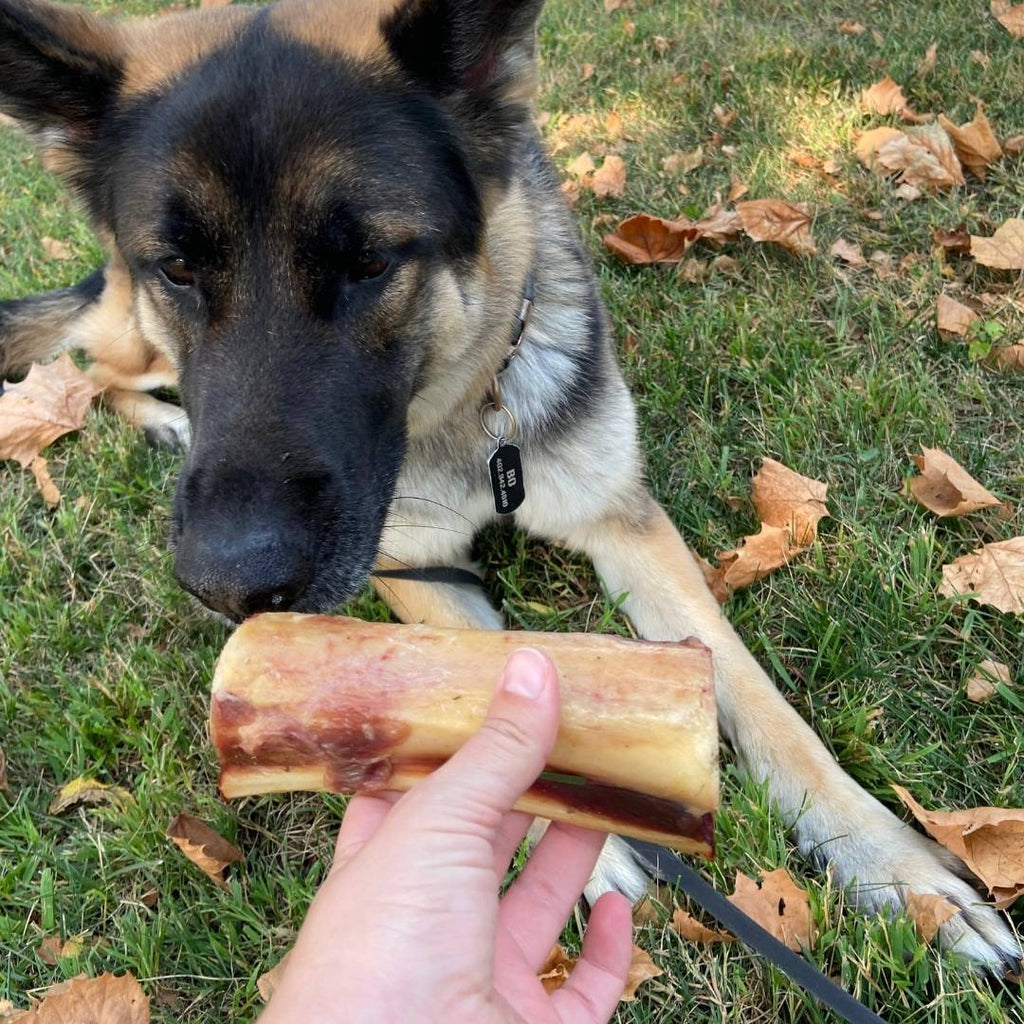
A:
(719, 225)
(851, 28)
(722, 116)
(784, 498)
(56, 250)
(613, 125)
(48, 950)
(691, 930)
(555, 970)
(51, 401)
(1014, 145)
(85, 790)
(267, 983)
(737, 190)
(975, 143)
(924, 156)
(994, 574)
(1004, 250)
(778, 905)
(848, 252)
(871, 141)
(642, 968)
(210, 852)
(958, 240)
(952, 317)
(108, 999)
(757, 556)
(610, 178)
(989, 840)
(884, 97)
(644, 239)
(1009, 358)
(774, 220)
(1012, 19)
(946, 488)
(983, 684)
(929, 911)
(47, 488)
(683, 163)
(582, 166)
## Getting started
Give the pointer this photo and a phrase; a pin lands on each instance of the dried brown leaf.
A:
(555, 970)
(214, 3)
(1014, 145)
(929, 911)
(642, 968)
(851, 28)
(210, 852)
(983, 684)
(52, 400)
(946, 488)
(803, 159)
(756, 557)
(269, 981)
(1013, 21)
(108, 999)
(981, 58)
(47, 488)
(48, 950)
(582, 166)
(952, 317)
(786, 499)
(724, 265)
(644, 239)
(774, 220)
(610, 178)
(958, 240)
(613, 5)
(719, 225)
(722, 116)
(587, 72)
(737, 190)
(85, 790)
(4, 785)
(884, 97)
(925, 157)
(683, 162)
(848, 252)
(994, 574)
(1004, 250)
(989, 840)
(908, 192)
(871, 141)
(975, 143)
(691, 930)
(778, 905)
(56, 250)
(1010, 358)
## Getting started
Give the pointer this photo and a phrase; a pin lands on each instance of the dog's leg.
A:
(833, 819)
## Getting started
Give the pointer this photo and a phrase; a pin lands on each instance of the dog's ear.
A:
(59, 69)
(481, 48)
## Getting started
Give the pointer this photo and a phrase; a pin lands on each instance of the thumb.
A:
(503, 759)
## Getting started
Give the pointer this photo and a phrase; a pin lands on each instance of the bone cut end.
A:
(314, 702)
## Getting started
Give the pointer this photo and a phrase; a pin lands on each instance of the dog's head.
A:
(299, 195)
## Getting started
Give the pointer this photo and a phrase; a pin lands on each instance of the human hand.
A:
(408, 926)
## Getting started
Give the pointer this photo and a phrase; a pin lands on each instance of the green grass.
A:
(104, 665)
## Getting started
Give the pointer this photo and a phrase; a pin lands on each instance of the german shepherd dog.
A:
(321, 220)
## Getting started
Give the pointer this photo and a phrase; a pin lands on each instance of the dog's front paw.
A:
(888, 859)
(173, 435)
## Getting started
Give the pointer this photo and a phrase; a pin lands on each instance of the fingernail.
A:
(525, 673)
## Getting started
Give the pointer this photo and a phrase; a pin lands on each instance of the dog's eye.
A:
(369, 267)
(178, 272)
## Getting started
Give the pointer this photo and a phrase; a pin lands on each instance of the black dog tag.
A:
(506, 471)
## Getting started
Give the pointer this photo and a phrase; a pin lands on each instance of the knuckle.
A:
(507, 733)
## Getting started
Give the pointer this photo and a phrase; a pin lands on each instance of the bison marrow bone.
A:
(312, 702)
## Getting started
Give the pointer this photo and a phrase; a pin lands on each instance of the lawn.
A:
(838, 372)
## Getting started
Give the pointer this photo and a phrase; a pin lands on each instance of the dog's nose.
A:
(242, 576)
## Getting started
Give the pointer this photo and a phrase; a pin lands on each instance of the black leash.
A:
(672, 869)
(669, 867)
(431, 574)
